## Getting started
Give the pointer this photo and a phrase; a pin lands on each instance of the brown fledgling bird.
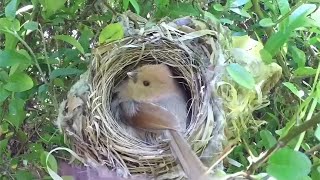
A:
(152, 99)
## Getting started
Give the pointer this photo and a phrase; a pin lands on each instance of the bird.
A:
(151, 99)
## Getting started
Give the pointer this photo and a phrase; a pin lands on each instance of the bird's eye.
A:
(146, 83)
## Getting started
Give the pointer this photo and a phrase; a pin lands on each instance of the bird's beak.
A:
(132, 74)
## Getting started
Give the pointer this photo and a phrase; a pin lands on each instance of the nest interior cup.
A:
(103, 139)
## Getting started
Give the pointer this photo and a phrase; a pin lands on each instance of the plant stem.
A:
(294, 132)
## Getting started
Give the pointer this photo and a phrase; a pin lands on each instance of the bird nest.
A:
(193, 52)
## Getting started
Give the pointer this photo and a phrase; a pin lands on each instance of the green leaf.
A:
(298, 17)
(266, 56)
(24, 175)
(267, 139)
(275, 42)
(241, 12)
(298, 56)
(288, 164)
(51, 6)
(11, 8)
(240, 75)
(237, 3)
(125, 4)
(218, 7)
(283, 6)
(175, 10)
(11, 58)
(305, 71)
(19, 82)
(317, 133)
(3, 145)
(111, 33)
(16, 112)
(64, 72)
(266, 22)
(70, 40)
(293, 89)
(3, 93)
(51, 161)
(162, 3)
(135, 5)
(8, 24)
(31, 25)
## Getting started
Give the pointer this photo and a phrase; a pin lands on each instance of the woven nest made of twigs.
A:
(191, 49)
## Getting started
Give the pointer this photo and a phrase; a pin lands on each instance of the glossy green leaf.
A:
(31, 25)
(298, 56)
(19, 82)
(16, 112)
(267, 139)
(317, 133)
(70, 40)
(111, 33)
(11, 58)
(293, 89)
(240, 75)
(11, 8)
(64, 72)
(288, 164)
(266, 22)
(304, 71)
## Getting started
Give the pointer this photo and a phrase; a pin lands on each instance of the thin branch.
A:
(294, 132)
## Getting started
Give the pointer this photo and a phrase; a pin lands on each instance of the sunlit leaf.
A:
(19, 82)
(10, 58)
(240, 75)
(70, 40)
(288, 164)
(64, 72)
(241, 12)
(111, 33)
